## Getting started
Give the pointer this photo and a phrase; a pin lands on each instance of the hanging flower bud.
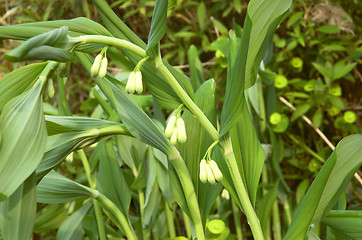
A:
(103, 68)
(215, 170)
(203, 173)
(131, 83)
(96, 65)
(170, 126)
(181, 130)
(173, 139)
(50, 88)
(210, 175)
(139, 85)
(225, 194)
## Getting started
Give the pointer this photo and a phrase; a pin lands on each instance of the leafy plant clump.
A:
(161, 155)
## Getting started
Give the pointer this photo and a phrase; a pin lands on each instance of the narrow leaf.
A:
(347, 222)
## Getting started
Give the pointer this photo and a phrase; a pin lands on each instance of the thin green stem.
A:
(306, 148)
(123, 44)
(118, 215)
(141, 197)
(261, 107)
(170, 223)
(287, 212)
(243, 195)
(189, 191)
(63, 106)
(277, 235)
(236, 214)
(185, 98)
(264, 179)
(105, 105)
(92, 184)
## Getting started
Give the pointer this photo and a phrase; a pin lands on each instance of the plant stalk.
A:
(170, 223)
(239, 232)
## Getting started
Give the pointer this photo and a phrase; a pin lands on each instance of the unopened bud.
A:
(215, 170)
(173, 139)
(131, 83)
(139, 85)
(103, 68)
(181, 130)
(225, 194)
(96, 65)
(210, 175)
(50, 88)
(203, 173)
(170, 126)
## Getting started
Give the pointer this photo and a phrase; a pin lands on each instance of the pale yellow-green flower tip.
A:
(210, 174)
(216, 226)
(96, 65)
(139, 85)
(225, 194)
(131, 83)
(203, 173)
(181, 130)
(215, 170)
(170, 126)
(103, 68)
(173, 138)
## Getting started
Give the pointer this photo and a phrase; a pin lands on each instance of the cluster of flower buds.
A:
(99, 67)
(209, 171)
(175, 130)
(134, 83)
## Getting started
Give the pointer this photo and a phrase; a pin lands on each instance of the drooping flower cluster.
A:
(175, 129)
(134, 82)
(209, 171)
(99, 67)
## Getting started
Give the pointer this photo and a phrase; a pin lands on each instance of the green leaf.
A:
(300, 110)
(248, 152)
(71, 228)
(55, 188)
(50, 217)
(323, 70)
(23, 135)
(327, 186)
(158, 28)
(17, 213)
(16, 82)
(264, 16)
(110, 180)
(328, 29)
(294, 18)
(347, 222)
(196, 71)
(341, 69)
(201, 15)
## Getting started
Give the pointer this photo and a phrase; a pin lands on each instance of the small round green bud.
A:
(349, 117)
(215, 170)
(333, 111)
(64, 69)
(173, 138)
(139, 85)
(216, 226)
(103, 68)
(181, 130)
(203, 173)
(170, 126)
(280, 81)
(309, 86)
(96, 65)
(210, 174)
(335, 90)
(296, 63)
(131, 83)
(275, 118)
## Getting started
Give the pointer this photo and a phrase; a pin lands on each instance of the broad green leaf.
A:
(348, 222)
(327, 186)
(55, 188)
(323, 70)
(300, 110)
(248, 152)
(50, 217)
(196, 71)
(265, 206)
(17, 213)
(18, 81)
(198, 141)
(71, 228)
(158, 28)
(341, 69)
(110, 180)
(264, 16)
(23, 139)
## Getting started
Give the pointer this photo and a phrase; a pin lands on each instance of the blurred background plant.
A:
(313, 64)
